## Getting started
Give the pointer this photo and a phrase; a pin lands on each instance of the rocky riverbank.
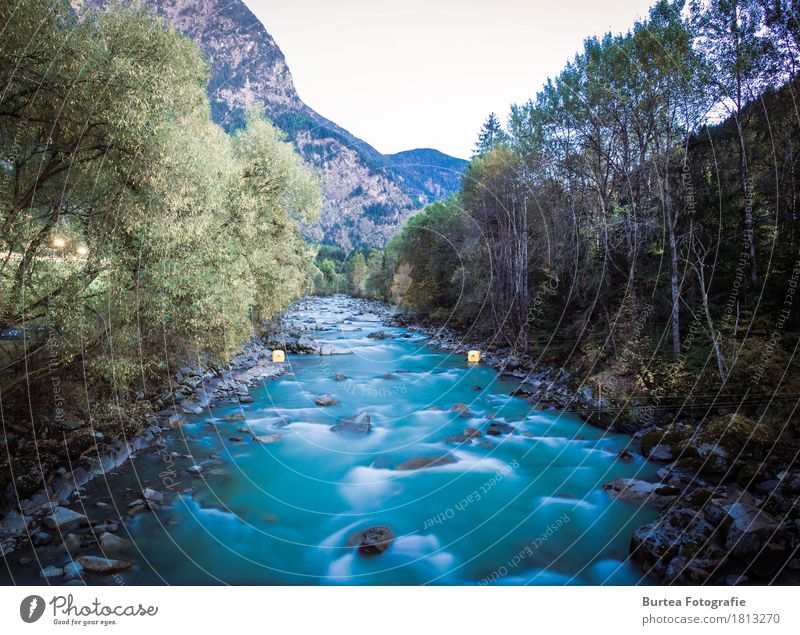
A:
(729, 487)
(728, 516)
(45, 478)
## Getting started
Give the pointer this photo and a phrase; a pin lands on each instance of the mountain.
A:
(367, 194)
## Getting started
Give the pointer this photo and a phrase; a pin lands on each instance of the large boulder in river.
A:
(361, 424)
(422, 462)
(372, 541)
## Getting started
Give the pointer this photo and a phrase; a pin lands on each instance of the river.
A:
(525, 507)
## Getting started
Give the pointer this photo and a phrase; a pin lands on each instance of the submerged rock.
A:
(457, 438)
(496, 429)
(338, 377)
(359, 425)
(372, 541)
(422, 462)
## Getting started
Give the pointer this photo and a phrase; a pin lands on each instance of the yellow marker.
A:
(278, 356)
(474, 357)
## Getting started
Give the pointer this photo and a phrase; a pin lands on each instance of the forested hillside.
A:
(367, 195)
(636, 220)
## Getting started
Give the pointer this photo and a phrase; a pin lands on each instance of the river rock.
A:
(680, 532)
(152, 495)
(380, 335)
(268, 438)
(14, 524)
(422, 462)
(51, 572)
(110, 541)
(496, 429)
(326, 400)
(338, 377)
(175, 421)
(750, 530)
(635, 490)
(330, 349)
(40, 538)
(660, 453)
(190, 407)
(63, 518)
(372, 541)
(72, 571)
(472, 433)
(457, 438)
(71, 543)
(98, 564)
(359, 425)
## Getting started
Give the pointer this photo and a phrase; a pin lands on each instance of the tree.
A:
(729, 34)
(490, 135)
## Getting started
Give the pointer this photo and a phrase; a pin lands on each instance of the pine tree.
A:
(490, 136)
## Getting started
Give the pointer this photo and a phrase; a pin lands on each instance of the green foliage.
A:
(136, 234)
(604, 227)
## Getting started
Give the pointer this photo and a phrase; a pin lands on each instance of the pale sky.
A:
(425, 73)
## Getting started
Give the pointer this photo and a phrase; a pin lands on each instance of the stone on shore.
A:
(751, 529)
(152, 495)
(62, 518)
(110, 541)
(14, 524)
(638, 491)
(51, 572)
(98, 564)
(72, 571)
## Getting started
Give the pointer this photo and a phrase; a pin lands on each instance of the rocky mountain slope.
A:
(367, 194)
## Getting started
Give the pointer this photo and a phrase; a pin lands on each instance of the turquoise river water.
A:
(520, 508)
